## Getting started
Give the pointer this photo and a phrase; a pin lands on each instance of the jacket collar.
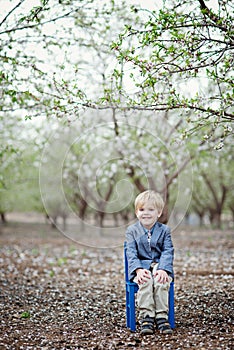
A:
(157, 226)
(158, 229)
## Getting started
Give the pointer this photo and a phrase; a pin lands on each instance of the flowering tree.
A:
(175, 57)
(18, 167)
(156, 77)
(213, 186)
(181, 58)
(99, 169)
(55, 57)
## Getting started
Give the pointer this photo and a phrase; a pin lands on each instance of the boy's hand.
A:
(142, 275)
(162, 276)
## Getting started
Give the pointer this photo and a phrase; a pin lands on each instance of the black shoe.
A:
(147, 325)
(163, 326)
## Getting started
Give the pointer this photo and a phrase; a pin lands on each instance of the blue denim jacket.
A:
(141, 255)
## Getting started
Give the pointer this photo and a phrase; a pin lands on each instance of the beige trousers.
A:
(152, 297)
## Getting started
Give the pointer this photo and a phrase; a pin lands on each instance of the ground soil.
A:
(59, 292)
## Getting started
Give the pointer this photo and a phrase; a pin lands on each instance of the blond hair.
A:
(149, 196)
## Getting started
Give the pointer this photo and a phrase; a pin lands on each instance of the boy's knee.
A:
(161, 285)
(146, 284)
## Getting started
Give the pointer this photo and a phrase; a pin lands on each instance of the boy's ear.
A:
(159, 214)
(136, 213)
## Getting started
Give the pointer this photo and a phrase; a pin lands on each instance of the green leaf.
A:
(25, 314)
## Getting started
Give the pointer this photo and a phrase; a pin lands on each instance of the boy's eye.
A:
(150, 209)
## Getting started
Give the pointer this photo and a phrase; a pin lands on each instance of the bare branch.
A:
(30, 26)
(212, 16)
(9, 13)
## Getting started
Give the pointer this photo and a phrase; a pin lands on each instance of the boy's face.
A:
(148, 215)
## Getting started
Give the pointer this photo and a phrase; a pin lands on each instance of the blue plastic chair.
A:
(131, 288)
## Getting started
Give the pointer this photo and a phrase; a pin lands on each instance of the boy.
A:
(150, 255)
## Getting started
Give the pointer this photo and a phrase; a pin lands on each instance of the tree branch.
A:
(9, 13)
(30, 26)
(212, 16)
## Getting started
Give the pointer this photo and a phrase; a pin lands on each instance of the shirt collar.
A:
(151, 230)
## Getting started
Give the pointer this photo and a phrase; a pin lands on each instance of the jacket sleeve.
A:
(167, 254)
(132, 255)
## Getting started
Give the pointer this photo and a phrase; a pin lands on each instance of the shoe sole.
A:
(168, 331)
(147, 331)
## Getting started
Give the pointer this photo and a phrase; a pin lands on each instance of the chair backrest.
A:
(126, 262)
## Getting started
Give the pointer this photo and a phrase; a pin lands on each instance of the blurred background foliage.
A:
(102, 100)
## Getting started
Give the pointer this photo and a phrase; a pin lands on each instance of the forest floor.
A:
(59, 294)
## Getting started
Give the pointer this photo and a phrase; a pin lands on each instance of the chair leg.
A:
(171, 312)
(130, 308)
(132, 311)
(127, 308)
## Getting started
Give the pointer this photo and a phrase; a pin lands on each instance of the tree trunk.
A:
(201, 217)
(164, 217)
(3, 218)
